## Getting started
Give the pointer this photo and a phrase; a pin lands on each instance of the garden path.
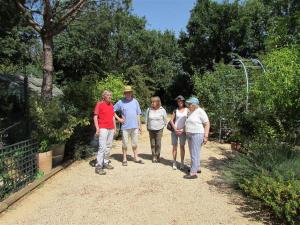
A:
(136, 194)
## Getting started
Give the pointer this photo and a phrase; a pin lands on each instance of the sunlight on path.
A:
(136, 194)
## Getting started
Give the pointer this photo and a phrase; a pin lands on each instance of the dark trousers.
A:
(155, 141)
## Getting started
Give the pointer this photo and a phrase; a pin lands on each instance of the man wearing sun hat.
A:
(130, 111)
(197, 129)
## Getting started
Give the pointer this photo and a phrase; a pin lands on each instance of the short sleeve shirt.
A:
(195, 120)
(105, 113)
(129, 110)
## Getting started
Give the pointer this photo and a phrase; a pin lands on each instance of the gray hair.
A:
(106, 92)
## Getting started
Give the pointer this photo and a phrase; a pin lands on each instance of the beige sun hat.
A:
(128, 89)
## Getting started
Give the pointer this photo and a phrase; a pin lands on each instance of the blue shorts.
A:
(182, 139)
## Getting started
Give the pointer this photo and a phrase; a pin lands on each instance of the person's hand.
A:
(205, 140)
(178, 131)
(121, 120)
(97, 132)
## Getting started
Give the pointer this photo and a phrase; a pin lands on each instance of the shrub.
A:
(269, 173)
(279, 195)
(53, 122)
(84, 94)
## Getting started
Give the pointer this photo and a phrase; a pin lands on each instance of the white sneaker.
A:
(174, 166)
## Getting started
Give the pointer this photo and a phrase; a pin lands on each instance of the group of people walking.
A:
(188, 123)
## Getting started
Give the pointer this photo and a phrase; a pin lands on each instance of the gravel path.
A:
(136, 194)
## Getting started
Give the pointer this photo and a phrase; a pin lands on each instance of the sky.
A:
(164, 14)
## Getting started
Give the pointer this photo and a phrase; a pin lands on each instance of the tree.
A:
(55, 16)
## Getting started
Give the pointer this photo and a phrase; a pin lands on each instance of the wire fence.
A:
(18, 166)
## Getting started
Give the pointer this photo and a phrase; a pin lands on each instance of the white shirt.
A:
(195, 120)
(181, 118)
(156, 119)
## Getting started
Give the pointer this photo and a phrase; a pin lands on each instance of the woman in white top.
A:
(197, 128)
(178, 123)
(156, 120)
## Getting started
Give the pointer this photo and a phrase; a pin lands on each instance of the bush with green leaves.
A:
(53, 122)
(222, 93)
(277, 94)
(269, 173)
(84, 94)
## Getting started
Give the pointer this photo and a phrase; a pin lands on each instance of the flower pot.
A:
(44, 161)
(58, 152)
(236, 146)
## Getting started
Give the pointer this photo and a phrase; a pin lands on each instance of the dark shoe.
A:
(189, 176)
(138, 161)
(198, 171)
(100, 171)
(124, 163)
(108, 166)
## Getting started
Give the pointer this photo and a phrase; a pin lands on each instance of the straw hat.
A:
(128, 89)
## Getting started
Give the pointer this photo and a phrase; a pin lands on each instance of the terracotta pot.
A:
(236, 146)
(58, 152)
(44, 161)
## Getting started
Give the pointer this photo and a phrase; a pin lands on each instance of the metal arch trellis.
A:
(238, 63)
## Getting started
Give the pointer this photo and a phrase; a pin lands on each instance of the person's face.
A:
(128, 95)
(107, 97)
(154, 104)
(191, 107)
(180, 103)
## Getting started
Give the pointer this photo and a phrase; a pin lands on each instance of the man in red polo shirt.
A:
(105, 124)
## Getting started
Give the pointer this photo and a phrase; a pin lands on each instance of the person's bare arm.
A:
(206, 131)
(96, 125)
(172, 121)
(139, 122)
(121, 120)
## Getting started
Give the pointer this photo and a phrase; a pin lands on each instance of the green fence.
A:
(18, 166)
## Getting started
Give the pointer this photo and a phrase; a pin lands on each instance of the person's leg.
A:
(109, 142)
(195, 143)
(124, 144)
(101, 151)
(152, 143)
(200, 141)
(158, 138)
(134, 144)
(174, 144)
(182, 140)
(174, 150)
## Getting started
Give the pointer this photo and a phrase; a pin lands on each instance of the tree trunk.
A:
(48, 68)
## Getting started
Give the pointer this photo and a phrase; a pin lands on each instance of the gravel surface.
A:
(137, 194)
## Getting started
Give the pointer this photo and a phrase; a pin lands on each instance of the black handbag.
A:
(169, 125)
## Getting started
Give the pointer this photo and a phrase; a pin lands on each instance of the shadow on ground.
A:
(247, 207)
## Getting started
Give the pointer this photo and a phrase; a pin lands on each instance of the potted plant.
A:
(235, 141)
(53, 124)
(44, 157)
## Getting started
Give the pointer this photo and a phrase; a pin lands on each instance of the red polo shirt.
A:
(105, 113)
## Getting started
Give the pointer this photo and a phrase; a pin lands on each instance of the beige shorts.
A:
(133, 135)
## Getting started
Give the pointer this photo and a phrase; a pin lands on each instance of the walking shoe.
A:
(189, 176)
(100, 171)
(108, 166)
(174, 166)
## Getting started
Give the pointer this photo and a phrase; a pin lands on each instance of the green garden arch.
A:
(247, 66)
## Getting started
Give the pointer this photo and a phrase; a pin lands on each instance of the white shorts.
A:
(133, 135)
